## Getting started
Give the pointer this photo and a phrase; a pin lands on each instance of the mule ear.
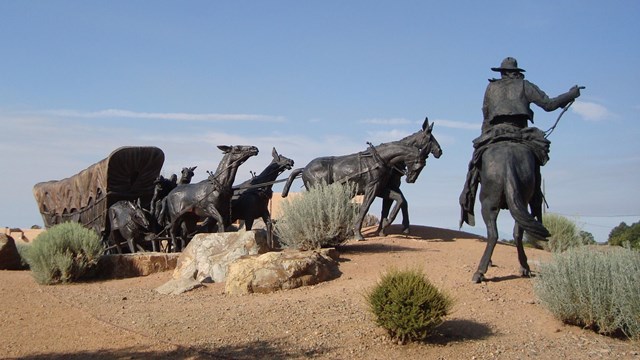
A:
(192, 168)
(425, 123)
(431, 127)
(139, 203)
(274, 153)
(224, 148)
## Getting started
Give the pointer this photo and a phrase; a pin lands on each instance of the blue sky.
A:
(79, 79)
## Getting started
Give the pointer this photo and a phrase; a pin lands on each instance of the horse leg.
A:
(248, 224)
(518, 232)
(490, 216)
(369, 196)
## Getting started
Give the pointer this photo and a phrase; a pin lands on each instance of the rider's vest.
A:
(506, 98)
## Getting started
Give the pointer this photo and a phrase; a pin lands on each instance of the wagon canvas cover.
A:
(127, 173)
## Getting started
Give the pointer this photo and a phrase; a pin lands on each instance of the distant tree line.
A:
(624, 234)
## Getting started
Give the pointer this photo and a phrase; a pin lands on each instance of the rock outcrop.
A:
(207, 257)
(9, 256)
(275, 271)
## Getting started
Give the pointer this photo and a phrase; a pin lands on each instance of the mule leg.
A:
(212, 212)
(518, 233)
(266, 218)
(248, 224)
(384, 221)
(490, 216)
(401, 204)
(369, 196)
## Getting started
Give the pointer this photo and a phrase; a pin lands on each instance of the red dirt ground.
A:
(127, 319)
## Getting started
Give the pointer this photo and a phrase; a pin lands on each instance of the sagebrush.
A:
(320, 217)
(64, 253)
(594, 287)
(565, 234)
(407, 305)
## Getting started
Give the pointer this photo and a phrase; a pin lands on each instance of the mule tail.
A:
(294, 174)
(518, 210)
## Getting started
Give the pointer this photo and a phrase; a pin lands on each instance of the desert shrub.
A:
(321, 217)
(22, 249)
(407, 305)
(594, 287)
(64, 253)
(565, 234)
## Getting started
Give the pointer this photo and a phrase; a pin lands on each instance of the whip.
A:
(564, 110)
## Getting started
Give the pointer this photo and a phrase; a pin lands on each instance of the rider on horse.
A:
(506, 112)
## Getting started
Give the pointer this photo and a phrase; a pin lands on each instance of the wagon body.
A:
(128, 173)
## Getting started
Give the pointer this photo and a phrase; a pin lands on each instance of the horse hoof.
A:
(406, 231)
(359, 238)
(525, 273)
(477, 278)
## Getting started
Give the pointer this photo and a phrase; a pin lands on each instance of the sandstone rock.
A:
(178, 286)
(9, 256)
(132, 265)
(274, 271)
(208, 256)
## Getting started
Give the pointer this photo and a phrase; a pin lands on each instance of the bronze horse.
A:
(422, 139)
(210, 198)
(508, 181)
(251, 201)
(369, 170)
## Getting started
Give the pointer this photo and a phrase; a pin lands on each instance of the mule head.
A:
(424, 138)
(138, 215)
(283, 162)
(415, 167)
(187, 174)
(432, 146)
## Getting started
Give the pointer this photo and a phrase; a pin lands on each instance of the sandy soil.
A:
(127, 319)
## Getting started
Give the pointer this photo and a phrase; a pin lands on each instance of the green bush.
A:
(565, 234)
(64, 253)
(407, 305)
(594, 287)
(320, 217)
(624, 234)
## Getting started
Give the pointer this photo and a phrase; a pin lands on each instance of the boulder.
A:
(9, 256)
(207, 256)
(138, 264)
(275, 271)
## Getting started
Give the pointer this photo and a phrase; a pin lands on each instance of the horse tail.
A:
(294, 174)
(518, 209)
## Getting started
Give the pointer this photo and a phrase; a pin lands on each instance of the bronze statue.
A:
(421, 139)
(369, 170)
(507, 158)
(129, 223)
(251, 198)
(211, 198)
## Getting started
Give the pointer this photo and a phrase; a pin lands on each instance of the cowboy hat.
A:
(508, 64)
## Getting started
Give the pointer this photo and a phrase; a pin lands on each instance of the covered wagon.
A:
(128, 173)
